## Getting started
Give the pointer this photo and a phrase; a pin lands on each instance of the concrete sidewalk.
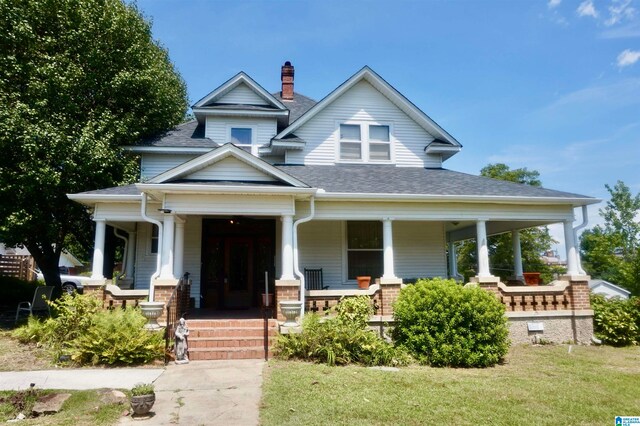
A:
(198, 393)
(207, 393)
(79, 379)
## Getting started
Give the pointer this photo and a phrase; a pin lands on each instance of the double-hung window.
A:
(364, 249)
(365, 142)
(241, 135)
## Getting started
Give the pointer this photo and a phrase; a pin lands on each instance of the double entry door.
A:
(234, 262)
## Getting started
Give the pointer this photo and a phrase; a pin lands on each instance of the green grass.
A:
(542, 385)
(83, 408)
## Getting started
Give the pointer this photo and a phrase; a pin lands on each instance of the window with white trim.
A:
(365, 142)
(241, 135)
(153, 247)
(364, 249)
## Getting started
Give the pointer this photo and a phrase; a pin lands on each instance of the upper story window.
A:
(365, 142)
(241, 135)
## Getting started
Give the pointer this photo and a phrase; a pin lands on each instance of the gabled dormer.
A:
(242, 112)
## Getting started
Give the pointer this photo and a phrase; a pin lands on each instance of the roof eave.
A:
(186, 188)
(168, 149)
(91, 199)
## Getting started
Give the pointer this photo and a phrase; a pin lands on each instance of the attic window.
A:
(241, 136)
(365, 142)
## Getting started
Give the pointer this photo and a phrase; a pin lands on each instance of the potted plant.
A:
(363, 282)
(531, 278)
(142, 398)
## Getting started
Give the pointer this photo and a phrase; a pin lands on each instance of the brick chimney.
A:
(286, 77)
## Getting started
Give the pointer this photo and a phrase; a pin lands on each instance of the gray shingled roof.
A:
(189, 134)
(389, 179)
(298, 106)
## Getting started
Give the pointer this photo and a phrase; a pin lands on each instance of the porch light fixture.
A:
(165, 210)
(455, 223)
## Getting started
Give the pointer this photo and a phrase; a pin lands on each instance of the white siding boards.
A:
(363, 103)
(243, 95)
(153, 164)
(230, 169)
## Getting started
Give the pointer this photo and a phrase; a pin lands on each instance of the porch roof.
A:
(355, 179)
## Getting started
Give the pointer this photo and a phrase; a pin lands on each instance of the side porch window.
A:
(154, 239)
(364, 249)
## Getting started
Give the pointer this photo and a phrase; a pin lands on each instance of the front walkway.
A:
(199, 393)
(207, 393)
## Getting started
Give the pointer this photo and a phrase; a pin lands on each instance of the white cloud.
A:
(553, 3)
(631, 30)
(619, 11)
(587, 8)
(628, 57)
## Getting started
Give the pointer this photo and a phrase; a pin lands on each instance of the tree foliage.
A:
(612, 251)
(533, 242)
(78, 80)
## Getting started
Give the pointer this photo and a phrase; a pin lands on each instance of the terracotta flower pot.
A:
(363, 282)
(531, 278)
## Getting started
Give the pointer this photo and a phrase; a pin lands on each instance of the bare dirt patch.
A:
(15, 356)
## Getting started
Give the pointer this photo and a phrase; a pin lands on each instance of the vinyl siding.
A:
(363, 103)
(419, 250)
(153, 164)
(192, 253)
(261, 205)
(242, 94)
(231, 169)
(145, 260)
(217, 128)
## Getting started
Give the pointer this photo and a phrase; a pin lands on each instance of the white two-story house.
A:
(354, 184)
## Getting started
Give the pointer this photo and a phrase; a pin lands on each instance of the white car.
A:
(69, 283)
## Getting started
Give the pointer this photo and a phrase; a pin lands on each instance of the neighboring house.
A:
(551, 258)
(67, 263)
(354, 184)
(608, 289)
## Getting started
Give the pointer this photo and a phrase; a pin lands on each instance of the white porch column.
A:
(287, 248)
(453, 260)
(387, 244)
(178, 255)
(98, 250)
(483, 249)
(570, 244)
(131, 255)
(166, 268)
(517, 255)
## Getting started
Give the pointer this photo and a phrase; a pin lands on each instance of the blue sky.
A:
(549, 85)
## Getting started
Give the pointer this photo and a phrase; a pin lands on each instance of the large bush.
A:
(616, 321)
(14, 290)
(343, 339)
(81, 329)
(444, 324)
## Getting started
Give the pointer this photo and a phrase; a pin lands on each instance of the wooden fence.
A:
(19, 266)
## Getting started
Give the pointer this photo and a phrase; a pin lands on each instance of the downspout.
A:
(143, 213)
(296, 267)
(585, 221)
(124, 252)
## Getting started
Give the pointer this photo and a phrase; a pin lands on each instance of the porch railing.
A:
(177, 307)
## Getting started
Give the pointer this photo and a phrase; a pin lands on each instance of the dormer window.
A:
(364, 142)
(241, 135)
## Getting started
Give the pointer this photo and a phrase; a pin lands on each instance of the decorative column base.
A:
(389, 292)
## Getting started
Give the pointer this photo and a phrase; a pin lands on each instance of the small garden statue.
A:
(182, 331)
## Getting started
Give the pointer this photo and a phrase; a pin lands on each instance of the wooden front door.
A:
(238, 281)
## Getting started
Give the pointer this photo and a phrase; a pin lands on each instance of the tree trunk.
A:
(47, 261)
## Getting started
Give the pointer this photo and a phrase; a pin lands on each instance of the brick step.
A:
(230, 323)
(228, 342)
(213, 332)
(208, 354)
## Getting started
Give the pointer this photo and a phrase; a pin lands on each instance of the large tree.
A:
(612, 251)
(78, 80)
(533, 242)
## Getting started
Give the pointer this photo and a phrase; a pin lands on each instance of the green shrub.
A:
(81, 328)
(355, 310)
(14, 290)
(616, 321)
(341, 340)
(444, 324)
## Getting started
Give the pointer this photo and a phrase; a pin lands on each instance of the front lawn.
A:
(542, 385)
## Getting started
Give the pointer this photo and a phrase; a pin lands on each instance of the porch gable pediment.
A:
(230, 164)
